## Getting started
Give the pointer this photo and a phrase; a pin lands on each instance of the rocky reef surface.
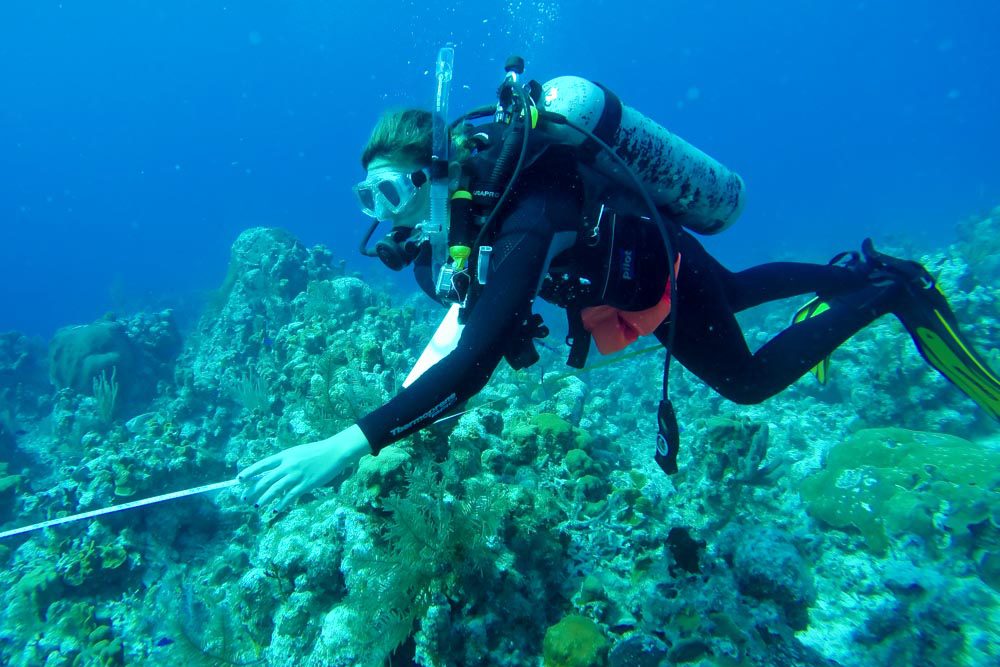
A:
(856, 523)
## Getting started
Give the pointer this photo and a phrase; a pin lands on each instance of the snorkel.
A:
(436, 229)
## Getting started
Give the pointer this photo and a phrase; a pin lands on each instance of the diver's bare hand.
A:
(285, 476)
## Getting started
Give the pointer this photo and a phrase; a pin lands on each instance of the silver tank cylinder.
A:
(695, 189)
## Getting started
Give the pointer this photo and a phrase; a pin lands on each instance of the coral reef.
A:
(831, 525)
(137, 353)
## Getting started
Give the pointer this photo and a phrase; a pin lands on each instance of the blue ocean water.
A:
(139, 138)
(149, 149)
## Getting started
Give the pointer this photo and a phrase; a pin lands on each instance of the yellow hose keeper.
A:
(460, 253)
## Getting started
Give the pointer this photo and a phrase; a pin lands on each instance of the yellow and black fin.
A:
(934, 329)
(816, 306)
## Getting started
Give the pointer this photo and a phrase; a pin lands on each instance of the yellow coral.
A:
(575, 641)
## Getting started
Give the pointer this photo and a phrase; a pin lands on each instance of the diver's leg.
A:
(780, 280)
(709, 342)
(769, 282)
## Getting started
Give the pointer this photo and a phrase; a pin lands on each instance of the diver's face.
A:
(419, 207)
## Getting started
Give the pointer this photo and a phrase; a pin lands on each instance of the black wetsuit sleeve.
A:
(538, 215)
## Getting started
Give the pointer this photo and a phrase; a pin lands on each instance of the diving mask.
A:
(386, 192)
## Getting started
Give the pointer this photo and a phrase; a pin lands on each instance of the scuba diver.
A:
(568, 195)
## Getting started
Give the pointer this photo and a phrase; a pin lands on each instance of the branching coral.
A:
(250, 390)
(432, 544)
(204, 629)
(106, 395)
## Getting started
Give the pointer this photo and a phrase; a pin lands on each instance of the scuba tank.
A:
(626, 158)
(693, 188)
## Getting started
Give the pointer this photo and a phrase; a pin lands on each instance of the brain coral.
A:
(891, 482)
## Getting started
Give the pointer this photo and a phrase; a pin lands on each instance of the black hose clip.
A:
(668, 437)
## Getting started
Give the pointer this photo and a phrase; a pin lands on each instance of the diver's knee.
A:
(744, 393)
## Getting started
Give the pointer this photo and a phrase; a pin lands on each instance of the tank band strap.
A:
(607, 124)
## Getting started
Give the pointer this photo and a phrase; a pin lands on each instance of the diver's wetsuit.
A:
(542, 222)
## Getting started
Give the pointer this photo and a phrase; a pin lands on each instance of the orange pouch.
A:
(615, 329)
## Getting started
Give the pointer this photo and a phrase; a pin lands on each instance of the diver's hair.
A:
(403, 135)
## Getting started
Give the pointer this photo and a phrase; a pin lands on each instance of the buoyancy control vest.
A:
(634, 172)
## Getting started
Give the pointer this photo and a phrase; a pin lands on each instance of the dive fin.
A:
(928, 318)
(934, 329)
(814, 307)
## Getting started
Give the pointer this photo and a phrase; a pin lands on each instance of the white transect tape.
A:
(119, 508)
